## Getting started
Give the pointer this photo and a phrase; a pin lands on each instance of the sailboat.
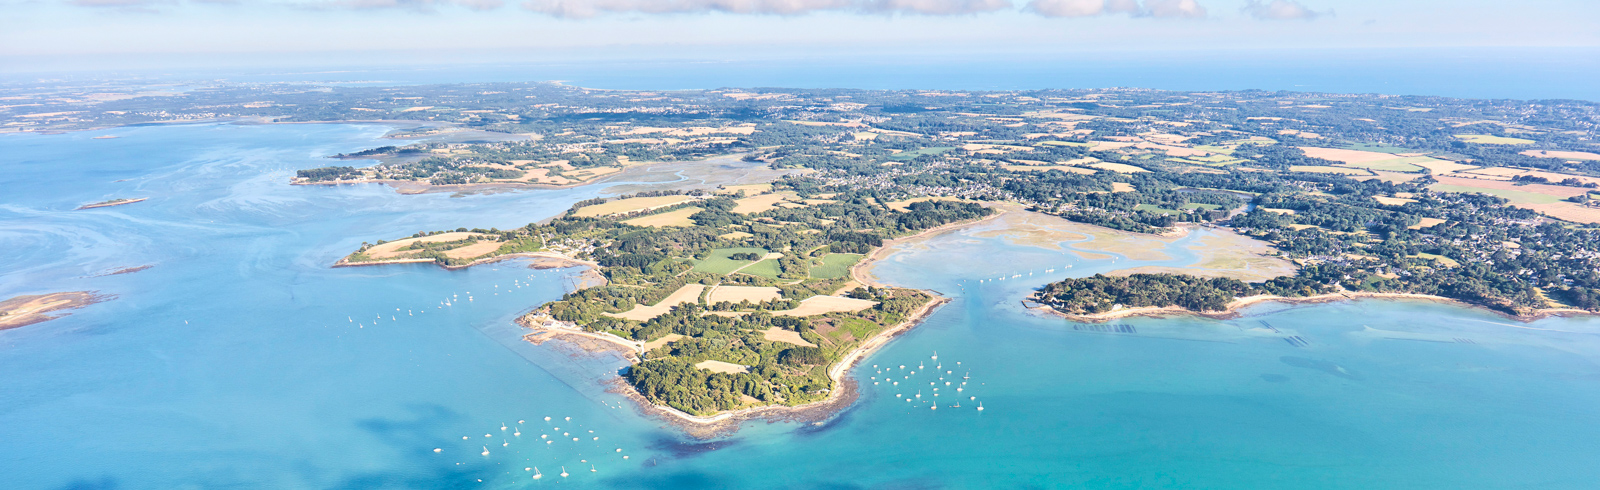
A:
(591, 469)
(980, 406)
(563, 472)
(536, 474)
(935, 355)
(486, 450)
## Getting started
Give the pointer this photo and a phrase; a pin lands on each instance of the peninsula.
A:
(736, 299)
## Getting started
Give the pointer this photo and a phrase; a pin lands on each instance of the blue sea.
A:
(240, 359)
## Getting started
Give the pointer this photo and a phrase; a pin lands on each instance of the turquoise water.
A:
(242, 360)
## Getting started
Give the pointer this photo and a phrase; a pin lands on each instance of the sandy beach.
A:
(1233, 308)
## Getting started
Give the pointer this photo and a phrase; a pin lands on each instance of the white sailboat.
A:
(536, 474)
(563, 472)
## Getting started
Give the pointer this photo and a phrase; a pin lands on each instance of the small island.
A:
(728, 302)
(113, 202)
(26, 310)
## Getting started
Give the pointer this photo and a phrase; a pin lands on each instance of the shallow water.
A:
(242, 359)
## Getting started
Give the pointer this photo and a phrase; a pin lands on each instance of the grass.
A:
(835, 266)
(1486, 139)
(1122, 168)
(1379, 148)
(1396, 165)
(1324, 169)
(1197, 205)
(766, 268)
(1064, 143)
(1442, 260)
(1156, 209)
(717, 262)
(1515, 196)
(912, 154)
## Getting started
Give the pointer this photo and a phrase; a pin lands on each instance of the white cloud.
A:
(1082, 8)
(1189, 9)
(591, 8)
(1089, 8)
(1279, 10)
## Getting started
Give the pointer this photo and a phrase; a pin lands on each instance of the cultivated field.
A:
(717, 262)
(1325, 169)
(835, 265)
(1484, 139)
(474, 250)
(689, 293)
(723, 367)
(735, 294)
(629, 205)
(817, 305)
(776, 334)
(1120, 168)
(1346, 156)
(756, 204)
(392, 249)
(671, 218)
(767, 268)
(1568, 155)
(1547, 199)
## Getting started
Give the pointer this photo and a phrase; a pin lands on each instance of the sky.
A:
(39, 33)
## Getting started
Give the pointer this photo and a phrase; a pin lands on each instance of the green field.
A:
(911, 154)
(1485, 139)
(835, 266)
(1197, 205)
(717, 262)
(1064, 143)
(766, 268)
(1380, 148)
(1517, 197)
(1156, 209)
(1396, 165)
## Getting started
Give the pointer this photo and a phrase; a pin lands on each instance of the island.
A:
(113, 202)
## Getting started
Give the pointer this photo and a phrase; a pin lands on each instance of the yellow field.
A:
(1121, 187)
(735, 294)
(1426, 222)
(1568, 155)
(1324, 169)
(722, 367)
(390, 250)
(1046, 168)
(1444, 166)
(1279, 211)
(776, 334)
(672, 218)
(736, 235)
(1484, 139)
(664, 340)
(1393, 201)
(629, 205)
(749, 189)
(817, 305)
(474, 250)
(1121, 168)
(1547, 199)
(756, 204)
(689, 293)
(1346, 156)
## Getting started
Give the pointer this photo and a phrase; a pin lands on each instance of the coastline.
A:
(858, 272)
(409, 187)
(1233, 309)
